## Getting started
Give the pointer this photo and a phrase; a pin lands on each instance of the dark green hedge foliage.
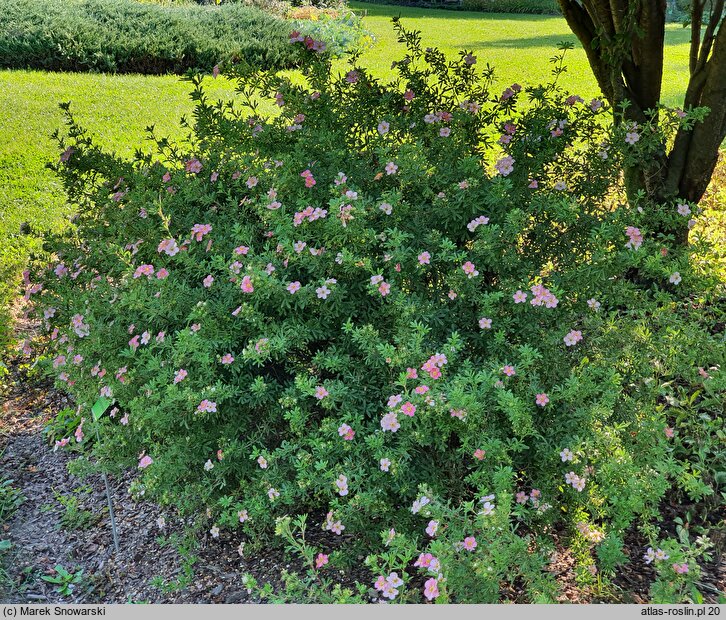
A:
(124, 36)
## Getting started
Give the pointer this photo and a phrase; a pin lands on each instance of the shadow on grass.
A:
(675, 35)
(388, 10)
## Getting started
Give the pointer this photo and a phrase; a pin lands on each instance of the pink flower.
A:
(509, 370)
(145, 461)
(246, 285)
(505, 165)
(669, 432)
(66, 155)
(207, 282)
(180, 375)
(385, 464)
(432, 528)
(469, 543)
(632, 137)
(431, 589)
(207, 406)
(445, 132)
(482, 220)
(572, 338)
(684, 209)
(391, 168)
(162, 274)
(522, 497)
(593, 304)
(394, 400)
(241, 250)
(520, 297)
(134, 343)
(542, 399)
(79, 431)
(680, 568)
(470, 269)
(346, 432)
(457, 413)
(262, 462)
(383, 128)
(200, 230)
(408, 409)
(169, 247)
(144, 270)
(635, 238)
(479, 454)
(227, 358)
(390, 422)
(543, 296)
(384, 288)
(322, 292)
(424, 258)
(485, 323)
(321, 392)
(193, 165)
(342, 484)
(321, 560)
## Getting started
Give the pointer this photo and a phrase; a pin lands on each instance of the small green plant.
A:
(10, 499)
(185, 546)
(64, 580)
(74, 517)
(314, 584)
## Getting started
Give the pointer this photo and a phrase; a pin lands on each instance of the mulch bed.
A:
(41, 541)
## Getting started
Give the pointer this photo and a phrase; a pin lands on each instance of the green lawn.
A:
(517, 46)
(116, 109)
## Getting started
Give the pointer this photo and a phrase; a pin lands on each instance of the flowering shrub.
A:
(401, 308)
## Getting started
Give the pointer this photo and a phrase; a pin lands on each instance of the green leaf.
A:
(99, 407)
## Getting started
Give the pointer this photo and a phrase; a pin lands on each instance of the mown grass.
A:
(116, 109)
(517, 46)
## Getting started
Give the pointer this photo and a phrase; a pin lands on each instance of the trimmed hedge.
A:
(124, 36)
(546, 7)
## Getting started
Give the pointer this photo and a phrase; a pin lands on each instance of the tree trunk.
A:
(624, 42)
